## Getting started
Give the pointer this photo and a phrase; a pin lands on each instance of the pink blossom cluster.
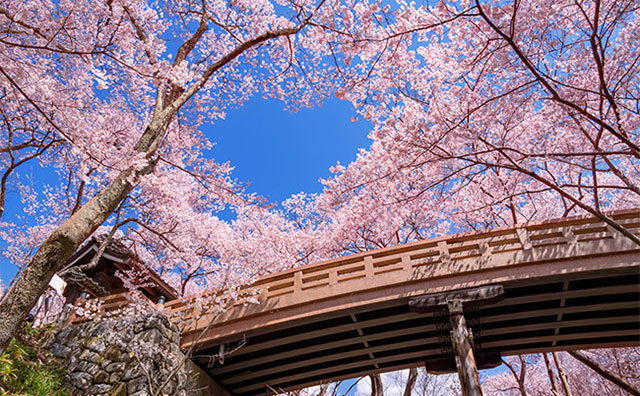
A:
(483, 114)
(536, 379)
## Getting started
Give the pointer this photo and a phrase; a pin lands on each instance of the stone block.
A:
(103, 366)
(100, 388)
(113, 353)
(80, 380)
(127, 357)
(97, 344)
(115, 367)
(140, 393)
(154, 336)
(73, 360)
(136, 385)
(88, 367)
(90, 356)
(119, 389)
(131, 372)
(59, 350)
(115, 377)
(101, 377)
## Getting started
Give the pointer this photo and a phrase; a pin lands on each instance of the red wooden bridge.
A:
(571, 283)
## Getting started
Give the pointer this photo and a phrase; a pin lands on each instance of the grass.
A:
(27, 369)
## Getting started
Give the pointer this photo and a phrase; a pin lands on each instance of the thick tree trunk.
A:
(621, 382)
(53, 253)
(66, 239)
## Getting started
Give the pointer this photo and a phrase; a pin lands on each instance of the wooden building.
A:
(100, 279)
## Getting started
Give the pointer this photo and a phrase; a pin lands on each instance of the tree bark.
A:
(595, 366)
(552, 379)
(376, 385)
(563, 377)
(411, 381)
(520, 379)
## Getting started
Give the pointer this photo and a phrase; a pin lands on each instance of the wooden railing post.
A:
(445, 257)
(333, 276)
(297, 281)
(368, 266)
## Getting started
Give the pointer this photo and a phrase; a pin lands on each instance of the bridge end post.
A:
(463, 350)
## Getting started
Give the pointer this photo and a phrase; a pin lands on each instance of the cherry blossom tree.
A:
(489, 114)
(522, 375)
(22, 141)
(620, 362)
(617, 369)
(111, 96)
(483, 114)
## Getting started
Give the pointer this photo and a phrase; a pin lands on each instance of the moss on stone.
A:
(119, 389)
(113, 353)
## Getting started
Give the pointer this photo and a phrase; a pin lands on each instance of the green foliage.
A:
(26, 369)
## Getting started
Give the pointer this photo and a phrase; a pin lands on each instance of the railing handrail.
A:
(459, 246)
(113, 302)
(467, 235)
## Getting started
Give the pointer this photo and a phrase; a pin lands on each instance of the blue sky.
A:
(279, 153)
(283, 153)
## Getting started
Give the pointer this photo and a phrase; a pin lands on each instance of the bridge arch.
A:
(570, 283)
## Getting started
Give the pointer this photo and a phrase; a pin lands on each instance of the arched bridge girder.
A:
(569, 284)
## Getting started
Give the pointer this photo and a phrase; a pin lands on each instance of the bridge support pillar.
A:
(463, 350)
(465, 360)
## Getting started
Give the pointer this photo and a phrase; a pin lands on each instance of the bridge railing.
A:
(112, 305)
(443, 250)
(577, 231)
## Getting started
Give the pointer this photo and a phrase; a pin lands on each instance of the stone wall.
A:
(137, 356)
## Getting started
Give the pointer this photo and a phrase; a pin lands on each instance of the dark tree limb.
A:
(595, 366)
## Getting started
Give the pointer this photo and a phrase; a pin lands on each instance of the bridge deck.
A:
(569, 284)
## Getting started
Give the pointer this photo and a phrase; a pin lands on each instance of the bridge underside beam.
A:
(560, 312)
